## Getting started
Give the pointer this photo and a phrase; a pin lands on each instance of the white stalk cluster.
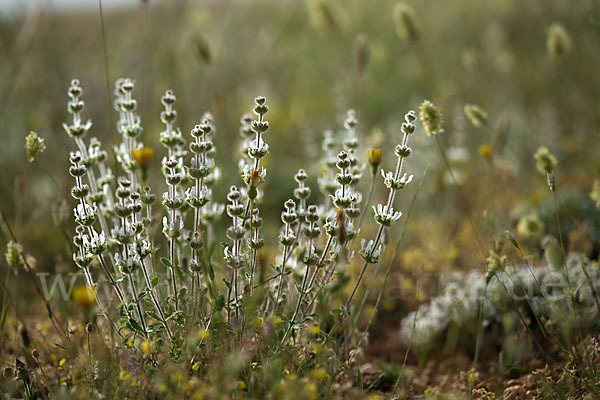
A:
(327, 183)
(129, 126)
(198, 195)
(123, 245)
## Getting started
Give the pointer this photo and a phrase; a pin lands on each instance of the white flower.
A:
(393, 183)
(199, 199)
(385, 215)
(85, 214)
(258, 152)
(247, 171)
(343, 199)
(171, 229)
(96, 244)
(208, 164)
(368, 252)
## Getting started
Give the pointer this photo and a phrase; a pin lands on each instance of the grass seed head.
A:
(431, 117)
(406, 22)
(558, 42)
(34, 145)
(476, 115)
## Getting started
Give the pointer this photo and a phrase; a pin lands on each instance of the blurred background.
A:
(314, 60)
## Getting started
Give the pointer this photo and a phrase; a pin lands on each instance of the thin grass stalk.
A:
(564, 261)
(91, 284)
(154, 300)
(51, 315)
(114, 284)
(469, 216)
(410, 341)
(107, 74)
(369, 287)
(396, 248)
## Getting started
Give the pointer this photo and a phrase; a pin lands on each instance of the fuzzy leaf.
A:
(165, 262)
(134, 325)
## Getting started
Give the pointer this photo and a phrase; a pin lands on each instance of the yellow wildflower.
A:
(485, 151)
(143, 156)
(84, 296)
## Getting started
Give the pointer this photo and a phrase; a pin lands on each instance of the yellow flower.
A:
(374, 157)
(530, 226)
(143, 156)
(204, 334)
(147, 346)
(241, 385)
(320, 374)
(256, 177)
(84, 296)
(485, 150)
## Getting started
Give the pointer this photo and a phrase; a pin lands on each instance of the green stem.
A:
(253, 268)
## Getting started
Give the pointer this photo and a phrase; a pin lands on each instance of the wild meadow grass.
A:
(233, 224)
